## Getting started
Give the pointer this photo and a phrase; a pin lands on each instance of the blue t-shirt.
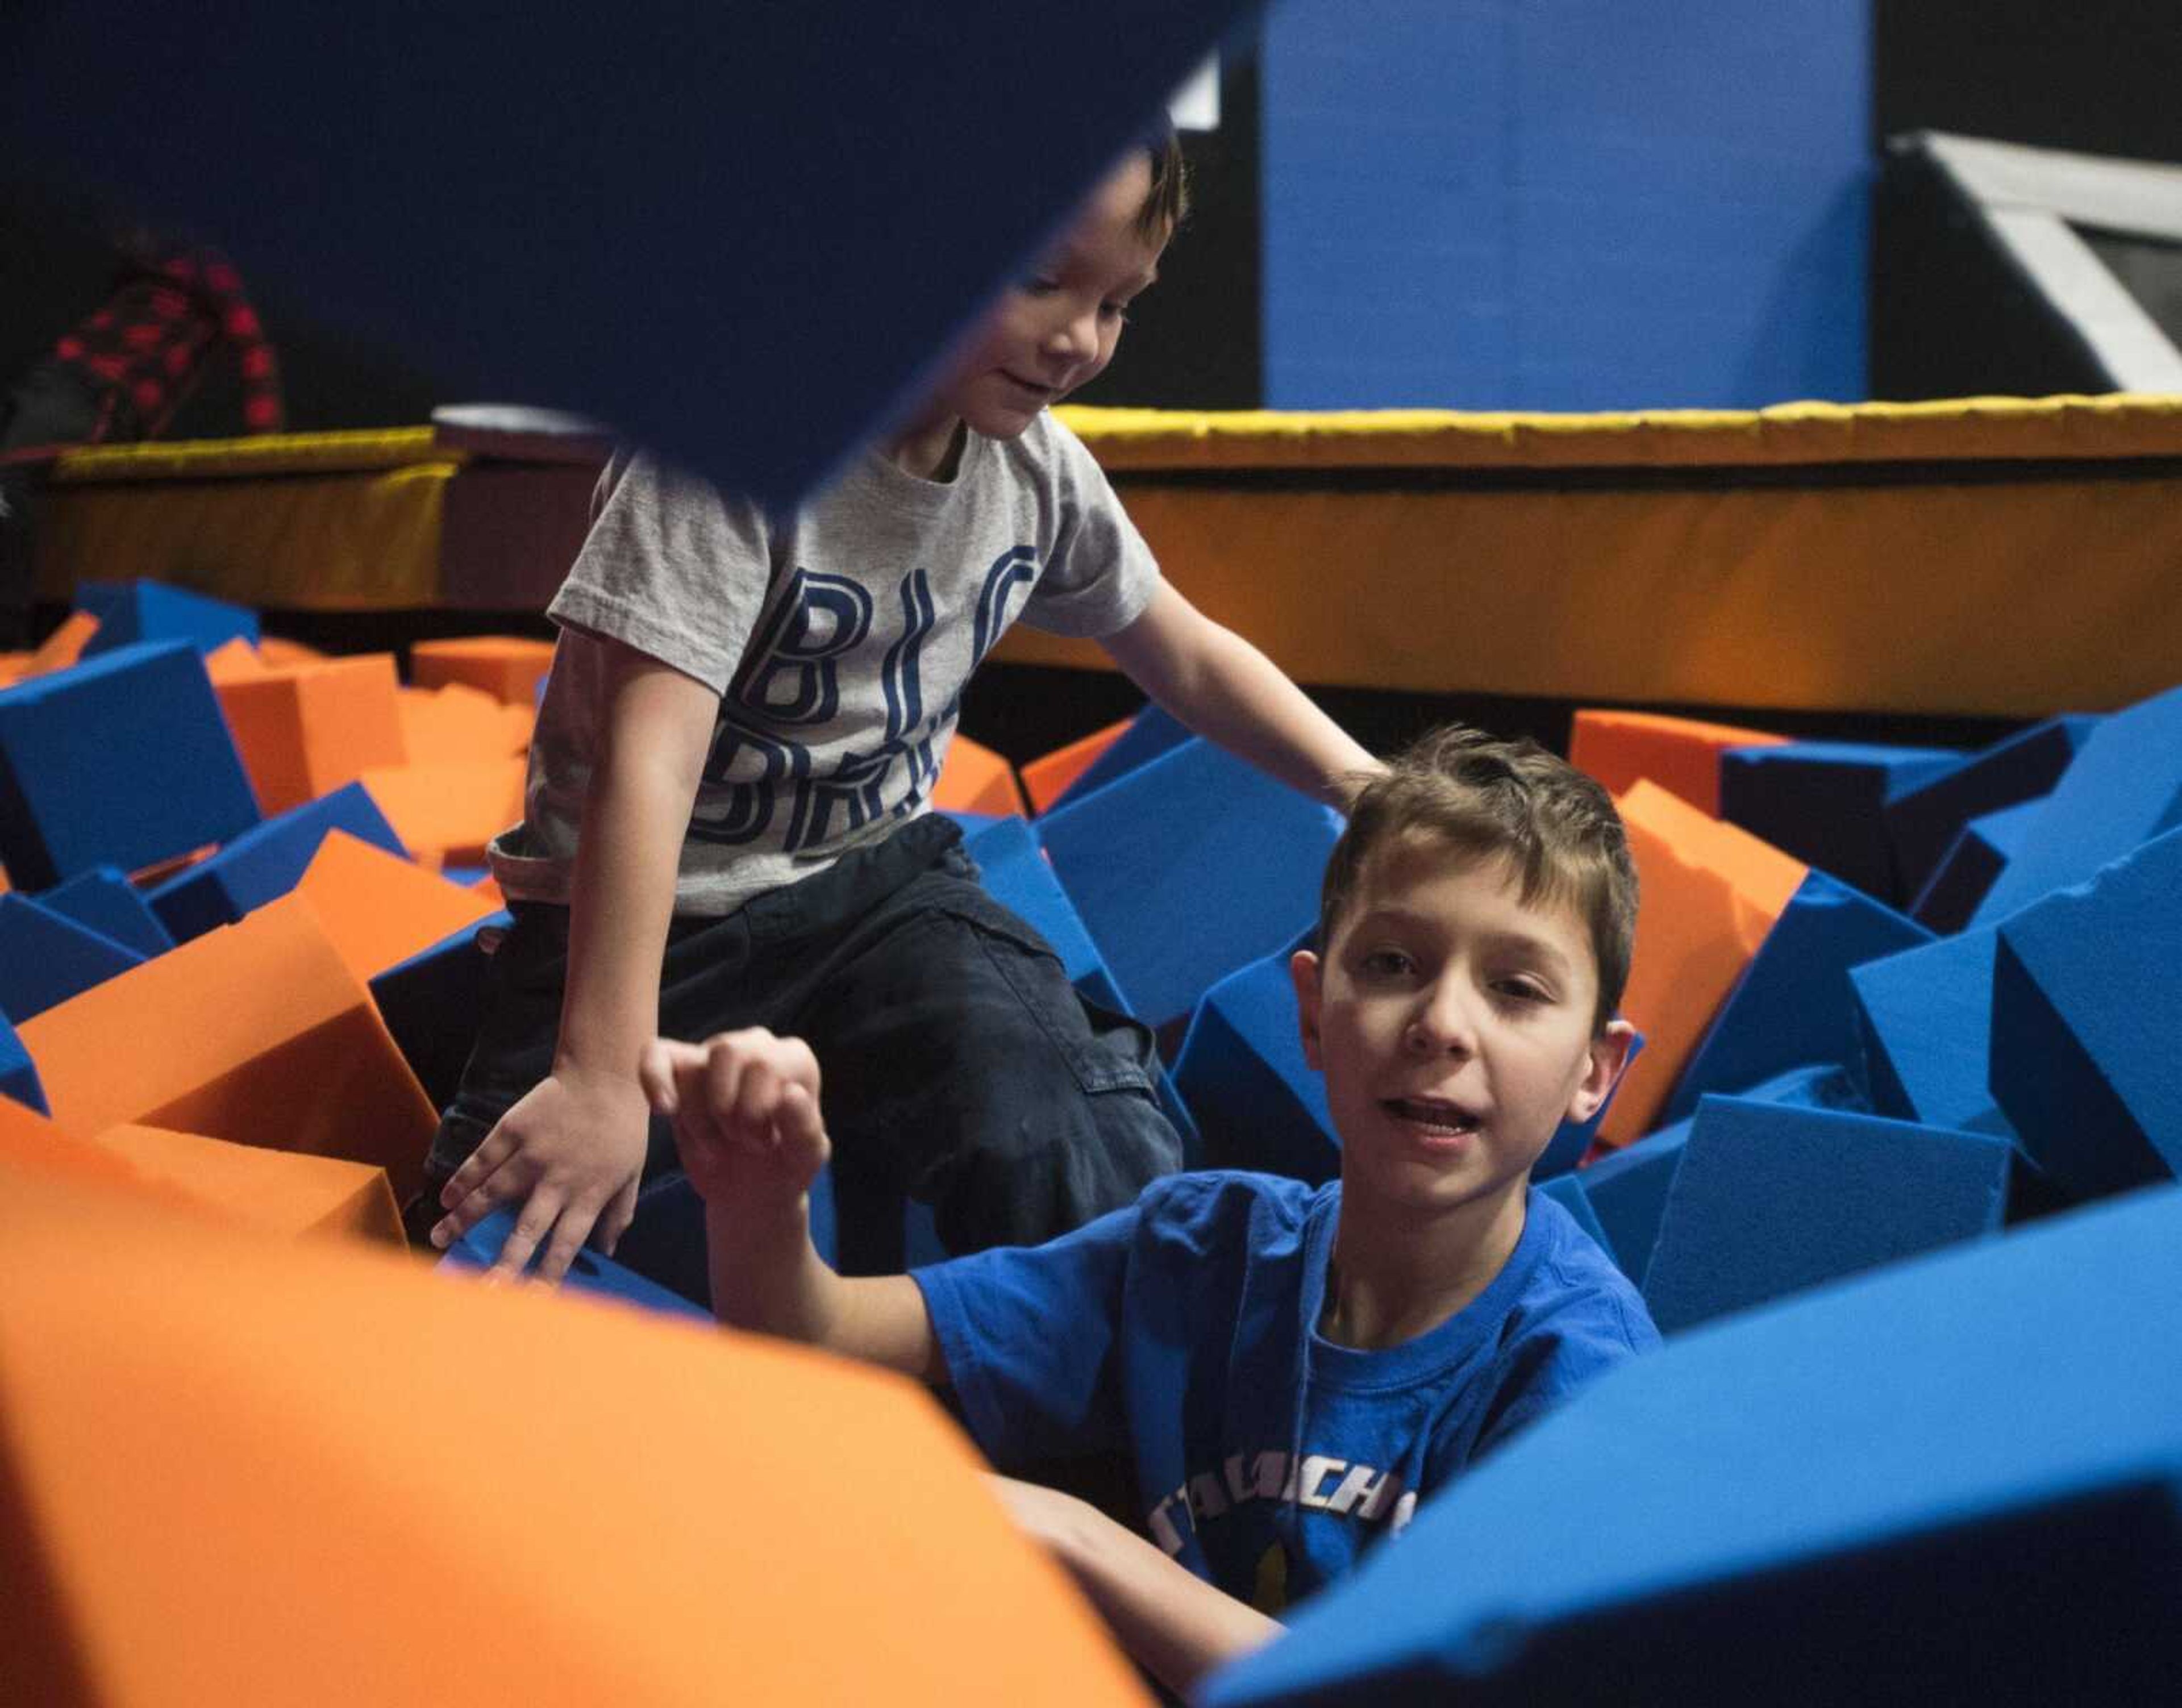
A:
(1267, 1458)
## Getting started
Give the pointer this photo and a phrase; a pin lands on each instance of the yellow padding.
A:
(266, 454)
(2012, 428)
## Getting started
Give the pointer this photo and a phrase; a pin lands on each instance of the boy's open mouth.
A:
(1433, 1114)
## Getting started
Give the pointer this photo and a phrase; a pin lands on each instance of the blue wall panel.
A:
(1564, 204)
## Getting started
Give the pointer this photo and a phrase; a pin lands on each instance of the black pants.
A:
(960, 1065)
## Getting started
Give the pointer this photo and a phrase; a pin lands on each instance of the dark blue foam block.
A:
(120, 760)
(1628, 1189)
(265, 862)
(1924, 821)
(1989, 1435)
(1771, 1200)
(1972, 865)
(702, 191)
(2086, 1011)
(1793, 1003)
(1150, 733)
(591, 1273)
(1188, 868)
(130, 611)
(46, 957)
(18, 1074)
(109, 904)
(1256, 1102)
(2125, 788)
(431, 1004)
(1825, 802)
(1926, 1019)
(1567, 1190)
(1019, 876)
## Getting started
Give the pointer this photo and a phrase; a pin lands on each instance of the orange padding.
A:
(256, 1033)
(246, 1473)
(1709, 894)
(1682, 754)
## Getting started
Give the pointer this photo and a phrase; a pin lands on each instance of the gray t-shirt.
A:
(839, 640)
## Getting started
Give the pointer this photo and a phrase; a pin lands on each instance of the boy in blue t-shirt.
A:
(1290, 1367)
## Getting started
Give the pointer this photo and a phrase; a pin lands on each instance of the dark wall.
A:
(2100, 76)
(1195, 340)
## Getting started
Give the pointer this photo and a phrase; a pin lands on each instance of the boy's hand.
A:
(746, 1111)
(570, 1151)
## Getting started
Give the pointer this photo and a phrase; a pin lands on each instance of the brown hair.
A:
(1166, 204)
(1483, 798)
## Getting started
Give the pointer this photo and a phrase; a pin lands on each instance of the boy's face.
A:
(1453, 1022)
(1057, 328)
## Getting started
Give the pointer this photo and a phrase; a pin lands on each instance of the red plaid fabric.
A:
(143, 352)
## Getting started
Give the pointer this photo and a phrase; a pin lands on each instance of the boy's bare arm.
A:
(745, 1107)
(1173, 1623)
(1228, 692)
(571, 1149)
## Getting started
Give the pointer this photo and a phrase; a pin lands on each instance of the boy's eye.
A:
(1390, 963)
(1117, 312)
(1038, 284)
(1523, 990)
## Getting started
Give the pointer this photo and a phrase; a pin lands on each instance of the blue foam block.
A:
(120, 760)
(1825, 802)
(591, 1273)
(265, 862)
(1793, 1002)
(130, 611)
(704, 189)
(1923, 822)
(431, 1004)
(2086, 1011)
(18, 1074)
(1188, 868)
(1568, 1191)
(1926, 1019)
(1958, 1478)
(46, 957)
(1628, 1189)
(1971, 866)
(1150, 733)
(2125, 788)
(1018, 876)
(104, 900)
(1770, 1200)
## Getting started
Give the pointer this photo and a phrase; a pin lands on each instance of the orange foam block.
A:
(456, 724)
(1709, 893)
(256, 1033)
(280, 1191)
(1682, 754)
(65, 645)
(976, 779)
(29, 1142)
(506, 667)
(281, 654)
(234, 660)
(231, 1461)
(13, 667)
(305, 729)
(378, 909)
(1045, 780)
(446, 813)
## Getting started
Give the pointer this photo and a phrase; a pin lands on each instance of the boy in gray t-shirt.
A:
(726, 823)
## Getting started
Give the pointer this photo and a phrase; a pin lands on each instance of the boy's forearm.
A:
(1229, 692)
(769, 1277)
(1175, 1625)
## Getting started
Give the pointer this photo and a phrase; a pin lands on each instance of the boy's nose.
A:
(1076, 338)
(1441, 1025)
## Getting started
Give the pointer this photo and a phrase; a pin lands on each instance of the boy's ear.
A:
(1609, 1055)
(1303, 969)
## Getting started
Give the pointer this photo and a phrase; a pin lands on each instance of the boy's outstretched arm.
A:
(1174, 1624)
(747, 1123)
(570, 1151)
(1228, 692)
